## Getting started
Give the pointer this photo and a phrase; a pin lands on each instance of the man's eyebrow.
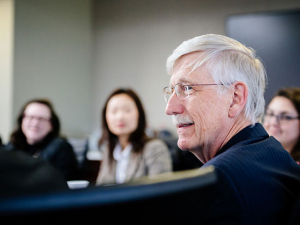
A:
(184, 81)
(181, 78)
(180, 81)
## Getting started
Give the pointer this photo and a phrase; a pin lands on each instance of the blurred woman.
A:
(282, 120)
(38, 135)
(127, 152)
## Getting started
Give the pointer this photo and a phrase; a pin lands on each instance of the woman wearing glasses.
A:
(127, 151)
(282, 120)
(38, 135)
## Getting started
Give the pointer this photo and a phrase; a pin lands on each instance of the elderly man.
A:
(216, 99)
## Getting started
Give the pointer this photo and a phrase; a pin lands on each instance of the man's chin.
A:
(183, 145)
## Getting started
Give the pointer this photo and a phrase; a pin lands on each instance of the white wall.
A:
(53, 59)
(134, 39)
(6, 66)
(76, 58)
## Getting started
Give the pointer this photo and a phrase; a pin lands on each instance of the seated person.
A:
(38, 135)
(282, 120)
(127, 152)
(22, 174)
(216, 100)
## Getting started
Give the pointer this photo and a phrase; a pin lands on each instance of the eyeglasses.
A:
(39, 119)
(280, 117)
(182, 90)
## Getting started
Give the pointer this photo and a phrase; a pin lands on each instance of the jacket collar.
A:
(249, 133)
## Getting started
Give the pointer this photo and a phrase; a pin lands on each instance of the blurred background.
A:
(75, 52)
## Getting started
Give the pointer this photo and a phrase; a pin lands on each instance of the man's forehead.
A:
(188, 76)
(183, 68)
(180, 78)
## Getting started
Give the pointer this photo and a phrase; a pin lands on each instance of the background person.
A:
(282, 120)
(127, 152)
(216, 98)
(38, 135)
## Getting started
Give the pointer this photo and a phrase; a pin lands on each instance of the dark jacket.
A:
(58, 152)
(258, 181)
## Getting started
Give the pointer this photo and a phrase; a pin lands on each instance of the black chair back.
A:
(171, 198)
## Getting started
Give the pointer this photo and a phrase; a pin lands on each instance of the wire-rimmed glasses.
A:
(182, 90)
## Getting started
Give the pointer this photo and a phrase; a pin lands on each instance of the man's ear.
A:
(239, 99)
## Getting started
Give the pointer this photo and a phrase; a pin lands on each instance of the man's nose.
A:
(174, 105)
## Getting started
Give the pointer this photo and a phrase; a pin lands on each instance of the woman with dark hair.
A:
(37, 134)
(127, 151)
(282, 120)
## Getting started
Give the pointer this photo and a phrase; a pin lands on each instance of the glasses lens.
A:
(181, 91)
(167, 93)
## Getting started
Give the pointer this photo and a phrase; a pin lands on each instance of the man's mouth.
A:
(185, 125)
(181, 121)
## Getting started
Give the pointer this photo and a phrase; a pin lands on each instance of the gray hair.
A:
(228, 61)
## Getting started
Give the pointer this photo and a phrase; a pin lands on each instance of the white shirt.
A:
(122, 158)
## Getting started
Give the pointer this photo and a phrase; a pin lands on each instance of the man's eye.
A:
(187, 88)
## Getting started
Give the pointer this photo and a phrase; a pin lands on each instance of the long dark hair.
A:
(18, 139)
(138, 138)
(293, 94)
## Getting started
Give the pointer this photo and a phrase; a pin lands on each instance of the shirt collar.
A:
(119, 154)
